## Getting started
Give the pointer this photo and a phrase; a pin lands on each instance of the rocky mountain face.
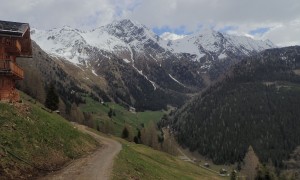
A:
(138, 68)
(256, 105)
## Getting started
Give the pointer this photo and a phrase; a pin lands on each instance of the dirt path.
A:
(96, 166)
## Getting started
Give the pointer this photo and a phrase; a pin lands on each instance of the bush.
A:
(52, 99)
(125, 133)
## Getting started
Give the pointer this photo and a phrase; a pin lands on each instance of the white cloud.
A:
(55, 13)
(171, 36)
(285, 34)
(245, 15)
(282, 17)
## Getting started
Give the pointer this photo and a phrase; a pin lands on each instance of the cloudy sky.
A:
(277, 20)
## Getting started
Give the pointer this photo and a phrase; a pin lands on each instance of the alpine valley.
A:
(231, 100)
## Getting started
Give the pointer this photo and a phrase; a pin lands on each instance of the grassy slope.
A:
(137, 161)
(44, 139)
(123, 116)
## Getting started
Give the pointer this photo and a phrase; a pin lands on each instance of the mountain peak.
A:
(127, 23)
(67, 27)
(205, 32)
(129, 31)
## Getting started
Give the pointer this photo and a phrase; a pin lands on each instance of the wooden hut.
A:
(14, 42)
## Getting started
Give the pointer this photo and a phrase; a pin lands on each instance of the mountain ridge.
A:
(121, 34)
(136, 66)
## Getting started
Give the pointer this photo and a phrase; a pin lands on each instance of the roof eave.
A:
(11, 33)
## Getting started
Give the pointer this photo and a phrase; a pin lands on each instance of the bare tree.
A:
(251, 163)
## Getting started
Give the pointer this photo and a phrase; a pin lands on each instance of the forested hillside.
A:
(257, 104)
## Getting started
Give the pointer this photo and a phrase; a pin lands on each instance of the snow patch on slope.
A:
(94, 72)
(126, 60)
(247, 44)
(222, 56)
(65, 42)
(141, 73)
(206, 41)
(103, 40)
(176, 80)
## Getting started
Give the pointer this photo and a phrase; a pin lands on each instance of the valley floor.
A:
(95, 166)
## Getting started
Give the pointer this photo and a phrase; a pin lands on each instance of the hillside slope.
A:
(137, 161)
(44, 140)
(257, 104)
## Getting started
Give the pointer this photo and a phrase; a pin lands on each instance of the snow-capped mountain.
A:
(65, 42)
(136, 65)
(120, 37)
(217, 45)
(128, 38)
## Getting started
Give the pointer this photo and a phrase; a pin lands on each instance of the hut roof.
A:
(15, 29)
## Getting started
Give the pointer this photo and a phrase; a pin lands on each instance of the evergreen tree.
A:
(110, 113)
(139, 134)
(52, 99)
(136, 140)
(125, 133)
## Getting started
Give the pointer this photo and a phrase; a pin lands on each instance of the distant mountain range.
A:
(129, 40)
(134, 66)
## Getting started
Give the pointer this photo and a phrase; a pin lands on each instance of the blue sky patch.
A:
(180, 30)
(259, 31)
(228, 28)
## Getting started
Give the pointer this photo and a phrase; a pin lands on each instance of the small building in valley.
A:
(206, 165)
(15, 42)
(132, 109)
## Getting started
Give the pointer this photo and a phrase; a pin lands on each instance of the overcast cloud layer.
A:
(277, 20)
